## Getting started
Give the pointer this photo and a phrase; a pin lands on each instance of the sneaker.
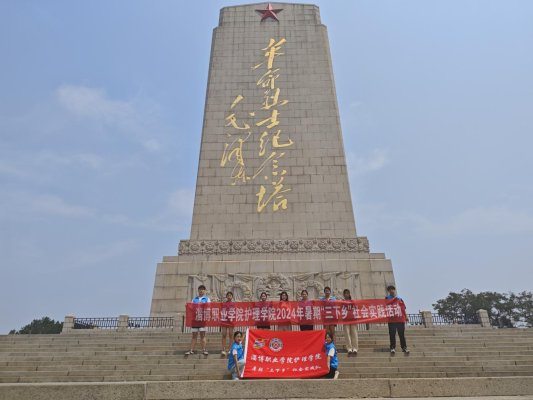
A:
(392, 351)
(188, 353)
(223, 353)
(405, 350)
(354, 351)
(336, 376)
(235, 379)
(206, 353)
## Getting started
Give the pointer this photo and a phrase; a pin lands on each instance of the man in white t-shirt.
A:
(201, 298)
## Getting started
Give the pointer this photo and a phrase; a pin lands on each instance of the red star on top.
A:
(269, 12)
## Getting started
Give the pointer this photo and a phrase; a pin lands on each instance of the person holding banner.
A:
(227, 331)
(328, 297)
(396, 326)
(350, 330)
(263, 305)
(333, 362)
(305, 304)
(236, 356)
(285, 309)
(201, 298)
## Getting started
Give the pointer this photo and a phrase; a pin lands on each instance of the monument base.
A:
(331, 262)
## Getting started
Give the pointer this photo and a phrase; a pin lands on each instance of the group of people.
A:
(236, 351)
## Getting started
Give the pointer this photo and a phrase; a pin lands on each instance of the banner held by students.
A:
(285, 354)
(311, 312)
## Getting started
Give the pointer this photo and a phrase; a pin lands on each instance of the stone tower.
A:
(272, 209)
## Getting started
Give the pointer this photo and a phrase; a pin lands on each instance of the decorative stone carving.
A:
(318, 245)
(244, 288)
(273, 284)
(248, 287)
(319, 287)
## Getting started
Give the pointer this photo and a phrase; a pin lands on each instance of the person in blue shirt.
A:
(331, 353)
(236, 356)
(201, 298)
(396, 326)
(328, 297)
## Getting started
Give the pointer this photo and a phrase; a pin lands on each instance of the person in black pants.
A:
(396, 326)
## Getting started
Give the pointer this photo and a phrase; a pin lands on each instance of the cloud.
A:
(497, 220)
(174, 216)
(89, 160)
(94, 103)
(100, 253)
(11, 170)
(129, 117)
(180, 202)
(362, 165)
(26, 205)
(55, 205)
(477, 221)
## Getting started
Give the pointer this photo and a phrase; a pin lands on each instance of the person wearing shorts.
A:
(201, 298)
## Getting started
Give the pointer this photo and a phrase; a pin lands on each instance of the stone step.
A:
(214, 342)
(362, 363)
(255, 389)
(369, 357)
(225, 376)
(213, 353)
(473, 333)
(216, 373)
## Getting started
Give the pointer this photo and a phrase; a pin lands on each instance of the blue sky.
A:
(101, 107)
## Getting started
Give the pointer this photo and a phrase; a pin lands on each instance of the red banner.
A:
(310, 312)
(285, 354)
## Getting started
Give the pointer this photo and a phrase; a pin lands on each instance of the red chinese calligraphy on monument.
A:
(312, 312)
(284, 354)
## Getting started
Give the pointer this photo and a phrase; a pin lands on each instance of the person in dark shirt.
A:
(396, 326)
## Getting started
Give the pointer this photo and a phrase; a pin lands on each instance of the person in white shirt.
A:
(201, 298)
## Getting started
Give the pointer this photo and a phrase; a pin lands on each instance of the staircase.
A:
(146, 356)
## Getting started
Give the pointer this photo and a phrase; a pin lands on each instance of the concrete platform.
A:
(274, 389)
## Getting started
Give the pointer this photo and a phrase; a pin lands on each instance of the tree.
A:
(523, 309)
(38, 326)
(463, 306)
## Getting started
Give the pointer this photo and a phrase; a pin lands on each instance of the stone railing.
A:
(122, 323)
(125, 323)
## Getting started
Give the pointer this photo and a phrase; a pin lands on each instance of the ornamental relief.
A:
(320, 245)
(250, 287)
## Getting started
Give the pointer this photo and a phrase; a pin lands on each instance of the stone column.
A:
(483, 317)
(68, 324)
(427, 318)
(123, 323)
(178, 322)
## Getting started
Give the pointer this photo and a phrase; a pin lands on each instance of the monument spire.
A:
(272, 209)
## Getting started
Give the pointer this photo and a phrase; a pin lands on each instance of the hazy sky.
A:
(101, 108)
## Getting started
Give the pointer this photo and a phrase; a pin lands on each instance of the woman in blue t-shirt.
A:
(236, 356)
(331, 353)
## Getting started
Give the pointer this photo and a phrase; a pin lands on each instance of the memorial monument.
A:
(272, 209)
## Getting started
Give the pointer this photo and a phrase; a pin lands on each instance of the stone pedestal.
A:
(247, 275)
(484, 319)
(427, 318)
(68, 324)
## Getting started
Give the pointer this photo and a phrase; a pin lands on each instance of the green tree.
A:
(463, 306)
(38, 326)
(523, 309)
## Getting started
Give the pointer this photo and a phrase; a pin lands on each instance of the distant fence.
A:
(126, 323)
(96, 323)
